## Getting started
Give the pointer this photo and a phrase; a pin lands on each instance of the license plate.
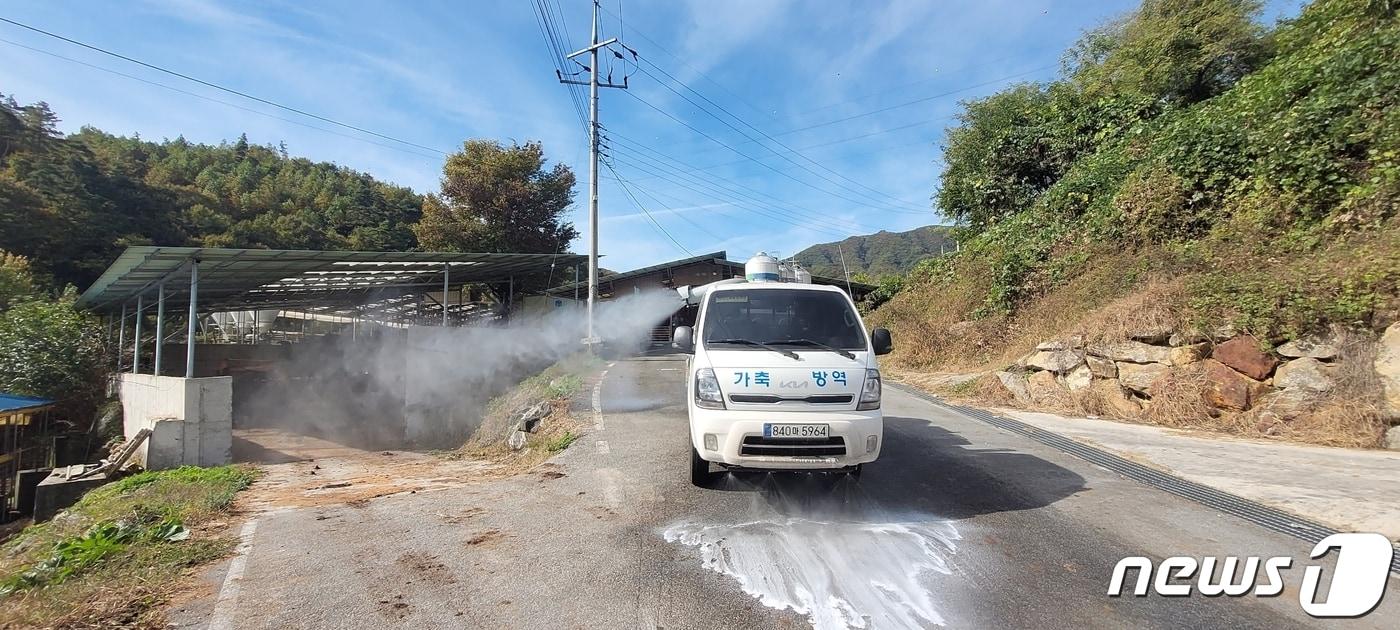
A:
(795, 430)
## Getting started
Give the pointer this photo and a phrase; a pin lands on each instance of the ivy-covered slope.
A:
(1247, 174)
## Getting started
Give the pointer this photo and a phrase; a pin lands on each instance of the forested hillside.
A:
(1191, 170)
(71, 203)
(879, 254)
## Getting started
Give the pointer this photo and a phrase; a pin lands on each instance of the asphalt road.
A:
(959, 524)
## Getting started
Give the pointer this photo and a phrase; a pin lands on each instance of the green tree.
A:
(499, 199)
(16, 280)
(52, 350)
(71, 203)
(1180, 51)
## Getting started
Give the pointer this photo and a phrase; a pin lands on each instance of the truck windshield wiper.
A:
(816, 344)
(749, 342)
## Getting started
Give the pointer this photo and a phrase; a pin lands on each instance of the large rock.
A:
(1151, 333)
(1131, 352)
(1057, 361)
(1228, 389)
(1288, 404)
(528, 419)
(1140, 377)
(1078, 378)
(1068, 343)
(1186, 355)
(1043, 387)
(1305, 373)
(1392, 438)
(1187, 337)
(516, 441)
(1388, 368)
(1316, 347)
(1244, 356)
(1016, 384)
(1101, 367)
(1119, 402)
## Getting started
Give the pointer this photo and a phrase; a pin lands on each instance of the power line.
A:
(544, 19)
(219, 101)
(914, 102)
(770, 205)
(898, 106)
(903, 86)
(732, 187)
(774, 211)
(220, 87)
(769, 137)
(753, 159)
(726, 202)
(688, 170)
(697, 71)
(879, 149)
(623, 184)
(675, 212)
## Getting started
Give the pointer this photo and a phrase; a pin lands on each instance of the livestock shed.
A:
(25, 443)
(210, 340)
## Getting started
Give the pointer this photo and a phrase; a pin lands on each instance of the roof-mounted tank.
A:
(762, 268)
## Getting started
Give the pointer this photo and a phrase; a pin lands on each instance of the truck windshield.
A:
(782, 317)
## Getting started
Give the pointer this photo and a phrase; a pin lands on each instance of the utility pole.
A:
(593, 86)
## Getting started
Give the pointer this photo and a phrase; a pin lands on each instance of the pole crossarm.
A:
(594, 48)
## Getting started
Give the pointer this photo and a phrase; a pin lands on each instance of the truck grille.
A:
(817, 399)
(793, 447)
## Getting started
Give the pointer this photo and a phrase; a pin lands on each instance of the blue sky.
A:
(861, 90)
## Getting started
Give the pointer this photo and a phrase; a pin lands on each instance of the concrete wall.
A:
(191, 420)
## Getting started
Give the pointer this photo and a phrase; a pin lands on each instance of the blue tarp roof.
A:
(12, 402)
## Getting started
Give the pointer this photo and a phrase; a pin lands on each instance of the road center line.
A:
(222, 619)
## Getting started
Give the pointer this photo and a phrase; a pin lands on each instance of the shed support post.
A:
(121, 339)
(446, 275)
(160, 325)
(510, 297)
(194, 318)
(136, 339)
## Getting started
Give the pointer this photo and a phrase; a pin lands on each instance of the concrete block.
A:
(191, 419)
(57, 492)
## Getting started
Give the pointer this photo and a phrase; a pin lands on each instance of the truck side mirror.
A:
(683, 339)
(880, 341)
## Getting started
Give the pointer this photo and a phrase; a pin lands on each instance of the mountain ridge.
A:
(876, 255)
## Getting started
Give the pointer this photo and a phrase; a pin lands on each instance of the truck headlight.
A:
(870, 392)
(707, 392)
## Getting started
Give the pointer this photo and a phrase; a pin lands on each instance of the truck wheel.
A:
(700, 474)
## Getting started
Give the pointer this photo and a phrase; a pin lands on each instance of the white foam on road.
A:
(840, 575)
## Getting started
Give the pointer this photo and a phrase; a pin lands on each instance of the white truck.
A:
(782, 376)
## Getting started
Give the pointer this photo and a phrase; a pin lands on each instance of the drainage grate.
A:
(1261, 515)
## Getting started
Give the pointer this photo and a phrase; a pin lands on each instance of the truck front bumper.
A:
(739, 442)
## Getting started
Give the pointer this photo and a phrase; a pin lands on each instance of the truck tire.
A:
(700, 474)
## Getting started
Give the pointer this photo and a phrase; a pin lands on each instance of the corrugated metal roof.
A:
(719, 258)
(13, 402)
(233, 279)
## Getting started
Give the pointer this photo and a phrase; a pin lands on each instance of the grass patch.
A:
(562, 442)
(117, 554)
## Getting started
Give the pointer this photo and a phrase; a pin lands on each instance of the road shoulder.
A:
(1348, 489)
